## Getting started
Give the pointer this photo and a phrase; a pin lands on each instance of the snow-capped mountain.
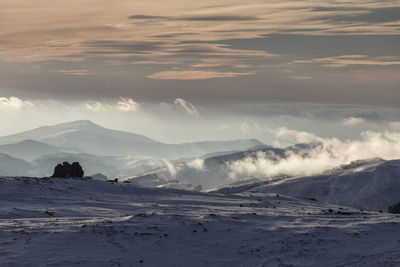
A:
(87, 137)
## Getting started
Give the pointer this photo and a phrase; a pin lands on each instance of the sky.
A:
(193, 70)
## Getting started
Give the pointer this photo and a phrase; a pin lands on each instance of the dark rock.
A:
(66, 170)
(395, 208)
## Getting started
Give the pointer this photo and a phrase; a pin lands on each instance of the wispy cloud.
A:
(195, 75)
(124, 105)
(348, 60)
(200, 18)
(300, 77)
(185, 105)
(74, 72)
(14, 103)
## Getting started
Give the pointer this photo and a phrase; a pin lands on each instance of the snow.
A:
(80, 222)
(371, 185)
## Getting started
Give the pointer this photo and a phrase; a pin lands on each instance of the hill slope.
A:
(67, 222)
(371, 184)
(29, 149)
(10, 166)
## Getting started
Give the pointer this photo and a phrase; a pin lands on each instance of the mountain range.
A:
(115, 153)
(88, 137)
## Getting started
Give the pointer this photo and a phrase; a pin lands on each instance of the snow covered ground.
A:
(366, 184)
(72, 222)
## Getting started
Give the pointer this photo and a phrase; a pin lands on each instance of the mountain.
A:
(29, 149)
(214, 171)
(91, 138)
(367, 184)
(10, 166)
(85, 136)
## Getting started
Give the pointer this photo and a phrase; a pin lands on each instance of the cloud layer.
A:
(124, 104)
(13, 103)
(243, 50)
(328, 154)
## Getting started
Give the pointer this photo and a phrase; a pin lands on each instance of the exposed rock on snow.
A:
(66, 170)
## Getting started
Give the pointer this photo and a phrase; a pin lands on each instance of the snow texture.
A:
(80, 222)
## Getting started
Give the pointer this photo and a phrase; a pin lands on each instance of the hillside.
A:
(367, 184)
(10, 166)
(70, 222)
(29, 149)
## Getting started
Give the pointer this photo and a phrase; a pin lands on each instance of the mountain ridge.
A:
(92, 138)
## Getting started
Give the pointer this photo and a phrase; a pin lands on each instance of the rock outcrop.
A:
(66, 170)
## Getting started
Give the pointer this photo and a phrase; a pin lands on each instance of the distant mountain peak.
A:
(77, 124)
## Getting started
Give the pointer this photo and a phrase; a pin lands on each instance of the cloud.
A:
(97, 106)
(348, 60)
(213, 18)
(124, 104)
(74, 72)
(285, 137)
(352, 121)
(300, 77)
(127, 104)
(146, 17)
(248, 127)
(14, 103)
(328, 154)
(373, 15)
(395, 125)
(197, 164)
(171, 168)
(195, 75)
(218, 18)
(188, 107)
(245, 128)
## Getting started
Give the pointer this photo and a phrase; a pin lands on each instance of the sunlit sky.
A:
(96, 59)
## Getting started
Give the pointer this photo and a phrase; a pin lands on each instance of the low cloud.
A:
(171, 168)
(127, 104)
(188, 107)
(328, 154)
(124, 104)
(14, 103)
(285, 137)
(197, 164)
(352, 121)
